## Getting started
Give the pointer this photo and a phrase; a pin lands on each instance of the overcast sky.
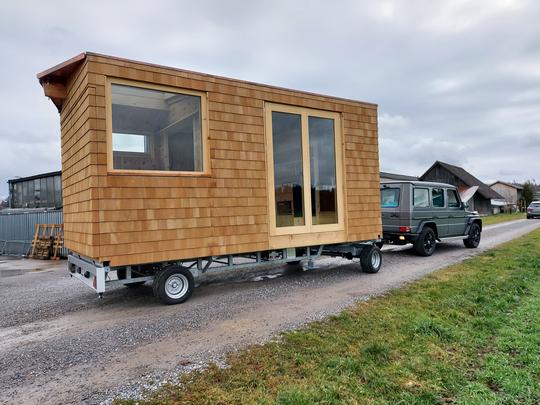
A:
(455, 81)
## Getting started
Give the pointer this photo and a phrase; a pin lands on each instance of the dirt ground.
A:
(60, 344)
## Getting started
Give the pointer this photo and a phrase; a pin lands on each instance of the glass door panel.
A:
(322, 156)
(288, 171)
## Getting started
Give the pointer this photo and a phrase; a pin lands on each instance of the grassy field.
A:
(468, 334)
(495, 219)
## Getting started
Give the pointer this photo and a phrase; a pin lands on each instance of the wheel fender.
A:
(429, 224)
(472, 221)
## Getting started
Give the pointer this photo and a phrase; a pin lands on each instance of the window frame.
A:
(206, 169)
(428, 197)
(398, 196)
(443, 193)
(458, 199)
(308, 226)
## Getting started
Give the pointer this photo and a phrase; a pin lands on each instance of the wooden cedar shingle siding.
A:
(139, 218)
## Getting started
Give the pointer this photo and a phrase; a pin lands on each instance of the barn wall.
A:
(128, 219)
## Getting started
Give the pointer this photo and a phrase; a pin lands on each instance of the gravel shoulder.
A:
(60, 344)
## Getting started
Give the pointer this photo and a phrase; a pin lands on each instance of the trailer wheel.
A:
(371, 259)
(173, 285)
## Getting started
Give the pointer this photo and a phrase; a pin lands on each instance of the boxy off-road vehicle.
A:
(423, 213)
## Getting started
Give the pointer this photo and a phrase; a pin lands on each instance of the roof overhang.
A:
(54, 80)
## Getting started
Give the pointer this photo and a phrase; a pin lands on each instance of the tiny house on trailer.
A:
(169, 173)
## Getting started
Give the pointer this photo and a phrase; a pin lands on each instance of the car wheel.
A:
(475, 234)
(173, 285)
(529, 216)
(426, 242)
(371, 259)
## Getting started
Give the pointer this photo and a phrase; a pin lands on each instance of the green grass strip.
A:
(467, 334)
(498, 218)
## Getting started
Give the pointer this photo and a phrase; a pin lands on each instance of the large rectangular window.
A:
(156, 129)
(288, 170)
(304, 154)
(322, 161)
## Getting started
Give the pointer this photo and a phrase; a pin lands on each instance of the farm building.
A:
(163, 164)
(511, 194)
(472, 190)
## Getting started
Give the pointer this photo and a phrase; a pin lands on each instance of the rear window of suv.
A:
(390, 197)
(421, 197)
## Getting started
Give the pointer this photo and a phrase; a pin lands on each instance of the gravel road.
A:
(60, 344)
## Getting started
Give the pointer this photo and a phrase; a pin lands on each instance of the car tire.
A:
(371, 259)
(529, 217)
(475, 234)
(294, 263)
(173, 285)
(426, 242)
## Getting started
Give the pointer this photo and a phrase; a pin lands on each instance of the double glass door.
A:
(305, 173)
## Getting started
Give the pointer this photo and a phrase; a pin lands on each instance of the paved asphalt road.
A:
(60, 344)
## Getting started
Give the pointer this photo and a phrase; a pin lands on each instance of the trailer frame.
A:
(100, 276)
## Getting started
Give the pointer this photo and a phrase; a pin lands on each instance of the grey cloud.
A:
(456, 80)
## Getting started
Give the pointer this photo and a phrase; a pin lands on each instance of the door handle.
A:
(450, 216)
(394, 216)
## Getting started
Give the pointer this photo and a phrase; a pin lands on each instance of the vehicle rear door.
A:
(391, 197)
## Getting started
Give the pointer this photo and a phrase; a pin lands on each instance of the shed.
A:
(478, 194)
(160, 163)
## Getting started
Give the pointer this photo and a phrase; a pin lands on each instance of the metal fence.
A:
(17, 229)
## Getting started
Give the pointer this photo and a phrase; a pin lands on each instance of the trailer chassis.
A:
(100, 276)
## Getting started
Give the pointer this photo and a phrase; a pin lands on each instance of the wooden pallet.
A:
(47, 242)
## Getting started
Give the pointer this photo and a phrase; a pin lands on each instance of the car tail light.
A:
(529, 209)
(404, 228)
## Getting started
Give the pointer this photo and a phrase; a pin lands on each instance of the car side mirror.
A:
(464, 205)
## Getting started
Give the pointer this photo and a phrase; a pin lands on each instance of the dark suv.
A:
(423, 213)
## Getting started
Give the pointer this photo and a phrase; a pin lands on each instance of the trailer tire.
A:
(371, 259)
(173, 285)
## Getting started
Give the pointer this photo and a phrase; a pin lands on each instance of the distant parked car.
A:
(423, 213)
(533, 210)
